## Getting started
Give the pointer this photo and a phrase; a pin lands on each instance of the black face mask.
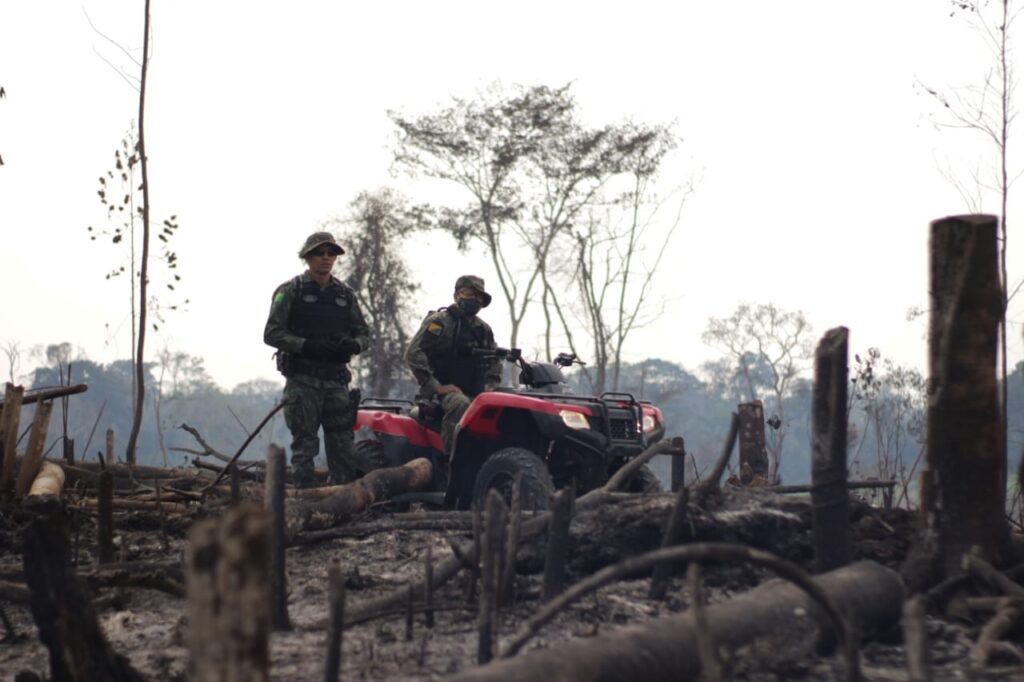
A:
(469, 306)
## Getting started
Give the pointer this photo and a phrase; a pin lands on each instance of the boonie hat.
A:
(318, 239)
(476, 284)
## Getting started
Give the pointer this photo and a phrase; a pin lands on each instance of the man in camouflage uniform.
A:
(439, 354)
(316, 325)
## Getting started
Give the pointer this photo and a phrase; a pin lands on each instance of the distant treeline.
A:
(886, 431)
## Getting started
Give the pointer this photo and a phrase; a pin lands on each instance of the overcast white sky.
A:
(821, 170)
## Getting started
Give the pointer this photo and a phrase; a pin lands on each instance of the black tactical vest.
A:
(454, 365)
(320, 313)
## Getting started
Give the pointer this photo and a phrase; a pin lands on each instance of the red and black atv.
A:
(540, 431)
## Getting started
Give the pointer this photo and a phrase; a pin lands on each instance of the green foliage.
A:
(120, 193)
(530, 170)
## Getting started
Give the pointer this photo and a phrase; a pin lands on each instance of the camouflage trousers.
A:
(454, 406)
(312, 403)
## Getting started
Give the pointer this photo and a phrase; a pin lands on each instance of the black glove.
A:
(318, 349)
(349, 347)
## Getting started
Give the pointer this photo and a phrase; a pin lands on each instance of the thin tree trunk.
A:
(140, 373)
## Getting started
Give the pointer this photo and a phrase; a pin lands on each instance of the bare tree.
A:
(123, 200)
(480, 146)
(777, 338)
(372, 233)
(532, 169)
(614, 268)
(892, 402)
(12, 349)
(987, 109)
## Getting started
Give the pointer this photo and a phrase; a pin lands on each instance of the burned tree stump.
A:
(228, 582)
(829, 496)
(964, 484)
(273, 502)
(490, 575)
(9, 420)
(105, 520)
(63, 611)
(753, 451)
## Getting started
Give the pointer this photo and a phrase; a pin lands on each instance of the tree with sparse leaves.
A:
(131, 202)
(764, 334)
(372, 234)
(531, 170)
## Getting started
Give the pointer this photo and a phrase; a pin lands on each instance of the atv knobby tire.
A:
(643, 481)
(499, 473)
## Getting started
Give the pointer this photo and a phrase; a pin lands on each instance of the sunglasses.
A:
(323, 253)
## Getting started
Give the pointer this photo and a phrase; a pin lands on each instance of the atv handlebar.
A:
(516, 355)
(510, 354)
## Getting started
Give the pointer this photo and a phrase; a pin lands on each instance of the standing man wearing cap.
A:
(316, 326)
(439, 354)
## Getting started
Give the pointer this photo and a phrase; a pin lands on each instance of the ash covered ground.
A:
(147, 626)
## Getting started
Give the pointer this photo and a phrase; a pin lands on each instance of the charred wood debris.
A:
(812, 581)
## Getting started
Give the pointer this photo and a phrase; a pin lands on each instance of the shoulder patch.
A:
(435, 328)
(278, 297)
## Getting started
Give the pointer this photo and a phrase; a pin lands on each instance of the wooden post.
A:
(9, 421)
(105, 517)
(490, 575)
(63, 611)
(410, 612)
(428, 588)
(964, 487)
(673, 534)
(69, 450)
(507, 589)
(558, 543)
(753, 453)
(474, 574)
(830, 500)
(34, 450)
(164, 542)
(111, 457)
(678, 472)
(335, 623)
(227, 574)
(273, 499)
(915, 640)
(236, 485)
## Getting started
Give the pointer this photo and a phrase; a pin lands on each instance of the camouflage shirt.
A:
(437, 335)
(277, 333)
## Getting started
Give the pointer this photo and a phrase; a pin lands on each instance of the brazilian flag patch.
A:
(278, 297)
(435, 328)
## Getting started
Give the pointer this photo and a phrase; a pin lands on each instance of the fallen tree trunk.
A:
(140, 505)
(780, 615)
(627, 525)
(36, 394)
(140, 472)
(344, 501)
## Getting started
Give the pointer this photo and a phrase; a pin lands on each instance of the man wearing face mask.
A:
(439, 354)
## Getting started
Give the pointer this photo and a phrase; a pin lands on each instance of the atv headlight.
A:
(649, 423)
(574, 420)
